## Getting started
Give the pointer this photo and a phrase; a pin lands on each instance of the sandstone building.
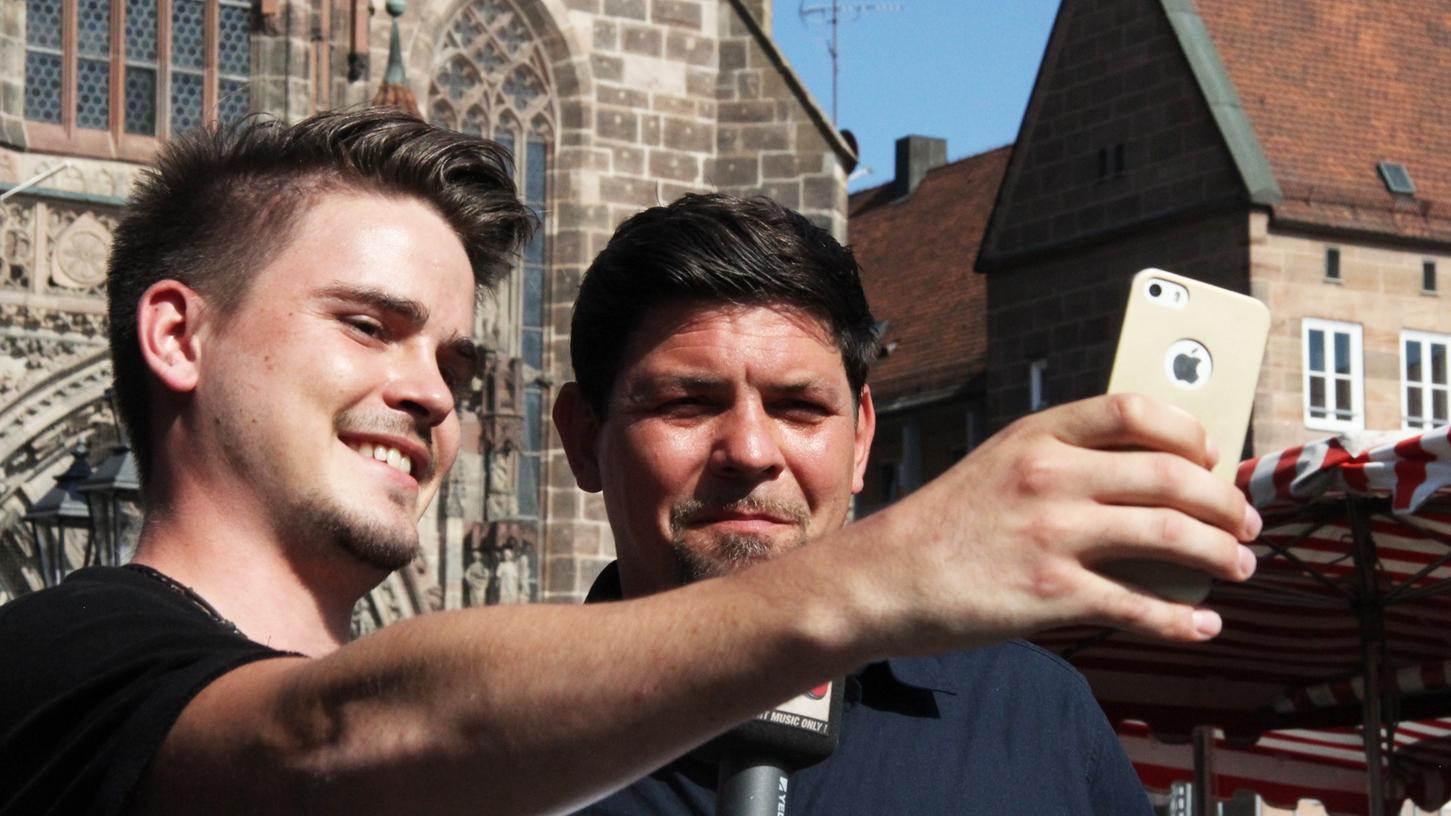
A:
(1290, 150)
(608, 105)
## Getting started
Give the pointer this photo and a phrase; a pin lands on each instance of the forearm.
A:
(535, 709)
(505, 710)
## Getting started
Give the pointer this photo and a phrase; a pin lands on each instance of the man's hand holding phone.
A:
(1011, 540)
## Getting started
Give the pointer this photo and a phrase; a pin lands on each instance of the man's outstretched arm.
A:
(538, 709)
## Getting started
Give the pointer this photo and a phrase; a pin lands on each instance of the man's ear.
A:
(167, 322)
(579, 430)
(866, 429)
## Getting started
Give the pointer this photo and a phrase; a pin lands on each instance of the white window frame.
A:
(1425, 384)
(1330, 422)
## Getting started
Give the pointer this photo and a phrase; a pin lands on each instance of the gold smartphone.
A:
(1198, 347)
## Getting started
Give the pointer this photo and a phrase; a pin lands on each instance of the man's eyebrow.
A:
(686, 381)
(799, 387)
(407, 308)
(464, 349)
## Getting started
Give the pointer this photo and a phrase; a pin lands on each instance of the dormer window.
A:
(1397, 178)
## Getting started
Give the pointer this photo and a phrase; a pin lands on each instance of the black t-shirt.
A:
(96, 671)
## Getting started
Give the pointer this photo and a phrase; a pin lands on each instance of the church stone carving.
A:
(81, 249)
(17, 246)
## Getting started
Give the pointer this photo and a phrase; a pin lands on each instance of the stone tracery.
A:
(490, 62)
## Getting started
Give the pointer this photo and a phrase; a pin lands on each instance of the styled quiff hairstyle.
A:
(223, 202)
(716, 249)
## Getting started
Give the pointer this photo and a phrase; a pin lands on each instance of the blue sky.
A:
(959, 69)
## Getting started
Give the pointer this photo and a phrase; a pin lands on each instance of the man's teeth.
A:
(391, 456)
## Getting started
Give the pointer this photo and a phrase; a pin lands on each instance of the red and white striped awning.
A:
(1284, 767)
(1290, 659)
(1408, 470)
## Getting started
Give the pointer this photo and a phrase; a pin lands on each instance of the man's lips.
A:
(704, 519)
(749, 514)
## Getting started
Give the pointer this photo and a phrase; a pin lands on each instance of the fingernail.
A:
(1206, 622)
(1247, 561)
(1252, 523)
(1211, 450)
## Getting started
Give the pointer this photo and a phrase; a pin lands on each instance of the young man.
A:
(291, 306)
(722, 347)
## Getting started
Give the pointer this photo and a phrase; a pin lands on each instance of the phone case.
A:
(1202, 355)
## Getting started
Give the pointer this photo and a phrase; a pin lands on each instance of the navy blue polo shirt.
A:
(1004, 729)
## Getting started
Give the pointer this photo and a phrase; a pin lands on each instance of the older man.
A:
(722, 347)
(291, 309)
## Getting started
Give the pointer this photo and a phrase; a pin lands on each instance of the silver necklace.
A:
(186, 592)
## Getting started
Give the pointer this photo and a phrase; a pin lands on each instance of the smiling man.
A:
(290, 309)
(722, 408)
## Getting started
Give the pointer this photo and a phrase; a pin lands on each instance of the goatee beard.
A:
(729, 552)
(377, 545)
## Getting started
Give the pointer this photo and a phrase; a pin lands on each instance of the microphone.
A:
(758, 756)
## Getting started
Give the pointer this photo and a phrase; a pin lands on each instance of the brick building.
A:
(916, 238)
(1290, 150)
(609, 106)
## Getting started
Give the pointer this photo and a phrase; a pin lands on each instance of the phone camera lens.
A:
(1155, 290)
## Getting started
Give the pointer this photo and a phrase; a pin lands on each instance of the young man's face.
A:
(732, 436)
(347, 344)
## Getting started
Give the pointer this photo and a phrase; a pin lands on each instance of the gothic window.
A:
(108, 77)
(491, 78)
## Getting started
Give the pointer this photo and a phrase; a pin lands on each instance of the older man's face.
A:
(732, 436)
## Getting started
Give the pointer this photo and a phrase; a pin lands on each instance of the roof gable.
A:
(917, 256)
(1332, 89)
(1124, 127)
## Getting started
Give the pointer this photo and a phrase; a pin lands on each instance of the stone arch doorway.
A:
(39, 427)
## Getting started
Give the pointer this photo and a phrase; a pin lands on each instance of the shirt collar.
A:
(913, 672)
(607, 586)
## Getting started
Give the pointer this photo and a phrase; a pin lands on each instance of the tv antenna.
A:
(832, 13)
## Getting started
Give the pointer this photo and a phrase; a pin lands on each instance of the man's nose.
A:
(418, 388)
(745, 443)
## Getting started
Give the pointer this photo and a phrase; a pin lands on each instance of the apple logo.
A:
(1186, 368)
(1188, 365)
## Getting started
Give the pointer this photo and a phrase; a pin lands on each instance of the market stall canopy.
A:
(1353, 584)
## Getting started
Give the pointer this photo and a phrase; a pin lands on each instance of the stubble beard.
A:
(384, 546)
(726, 553)
(381, 546)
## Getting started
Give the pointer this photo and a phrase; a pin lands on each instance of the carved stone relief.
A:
(17, 245)
(77, 242)
(34, 342)
(92, 177)
(502, 558)
(80, 250)
(54, 245)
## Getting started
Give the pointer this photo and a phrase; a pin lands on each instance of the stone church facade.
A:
(609, 106)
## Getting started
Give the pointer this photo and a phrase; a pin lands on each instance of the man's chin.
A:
(385, 545)
(725, 554)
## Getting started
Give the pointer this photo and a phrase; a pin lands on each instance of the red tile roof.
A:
(1331, 89)
(917, 259)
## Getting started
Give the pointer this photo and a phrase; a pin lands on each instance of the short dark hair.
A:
(715, 248)
(223, 201)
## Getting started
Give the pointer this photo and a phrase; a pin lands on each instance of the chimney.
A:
(915, 156)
